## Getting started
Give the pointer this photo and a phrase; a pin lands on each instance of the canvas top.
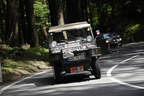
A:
(70, 26)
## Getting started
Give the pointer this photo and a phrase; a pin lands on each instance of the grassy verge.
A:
(21, 62)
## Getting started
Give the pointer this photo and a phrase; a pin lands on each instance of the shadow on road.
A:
(47, 79)
(83, 85)
(85, 89)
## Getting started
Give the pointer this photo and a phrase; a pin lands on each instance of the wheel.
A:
(121, 45)
(109, 48)
(95, 69)
(57, 72)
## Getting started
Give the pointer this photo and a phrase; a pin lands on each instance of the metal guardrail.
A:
(0, 73)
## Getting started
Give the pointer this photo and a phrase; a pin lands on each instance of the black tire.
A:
(57, 72)
(109, 48)
(121, 45)
(95, 69)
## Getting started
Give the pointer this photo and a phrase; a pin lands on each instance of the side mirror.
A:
(97, 32)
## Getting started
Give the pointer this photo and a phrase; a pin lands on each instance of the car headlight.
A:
(107, 41)
(114, 40)
(53, 44)
(89, 38)
(84, 47)
(120, 39)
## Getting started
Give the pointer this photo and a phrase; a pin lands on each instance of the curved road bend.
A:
(122, 75)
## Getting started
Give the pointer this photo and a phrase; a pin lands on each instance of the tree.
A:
(29, 33)
(53, 11)
(2, 19)
(57, 13)
(61, 12)
(11, 21)
(76, 10)
(22, 22)
(41, 15)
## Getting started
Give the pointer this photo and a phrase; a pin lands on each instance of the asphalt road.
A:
(122, 75)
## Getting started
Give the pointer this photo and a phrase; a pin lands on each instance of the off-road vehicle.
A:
(73, 49)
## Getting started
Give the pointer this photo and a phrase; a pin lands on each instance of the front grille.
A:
(76, 53)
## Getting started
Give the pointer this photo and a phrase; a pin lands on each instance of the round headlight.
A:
(107, 41)
(120, 39)
(114, 40)
(53, 44)
(89, 38)
(84, 47)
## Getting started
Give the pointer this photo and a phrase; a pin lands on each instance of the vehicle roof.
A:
(70, 26)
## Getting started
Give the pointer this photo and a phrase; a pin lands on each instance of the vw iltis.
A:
(73, 49)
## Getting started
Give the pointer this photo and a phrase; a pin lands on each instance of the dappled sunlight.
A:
(34, 89)
(74, 89)
(130, 72)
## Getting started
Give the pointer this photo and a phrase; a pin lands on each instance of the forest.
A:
(23, 21)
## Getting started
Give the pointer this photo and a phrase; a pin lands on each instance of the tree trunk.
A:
(45, 32)
(60, 12)
(11, 22)
(91, 16)
(53, 12)
(57, 14)
(32, 36)
(2, 20)
(61, 15)
(76, 10)
(22, 22)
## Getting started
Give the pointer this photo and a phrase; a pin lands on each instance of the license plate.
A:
(76, 58)
(77, 69)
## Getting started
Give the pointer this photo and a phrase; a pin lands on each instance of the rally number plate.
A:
(76, 58)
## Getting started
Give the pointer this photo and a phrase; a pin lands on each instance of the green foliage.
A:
(38, 51)
(15, 69)
(17, 61)
(109, 9)
(9, 63)
(130, 32)
(41, 14)
(94, 14)
(133, 28)
(95, 20)
(124, 16)
(6, 47)
(23, 53)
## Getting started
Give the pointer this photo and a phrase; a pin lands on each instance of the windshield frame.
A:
(52, 34)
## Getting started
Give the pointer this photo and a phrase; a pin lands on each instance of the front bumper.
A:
(66, 64)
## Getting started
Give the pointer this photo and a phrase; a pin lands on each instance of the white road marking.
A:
(110, 71)
(109, 74)
(7, 87)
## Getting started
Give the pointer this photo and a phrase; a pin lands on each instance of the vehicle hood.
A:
(78, 45)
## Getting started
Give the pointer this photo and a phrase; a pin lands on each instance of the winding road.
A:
(122, 75)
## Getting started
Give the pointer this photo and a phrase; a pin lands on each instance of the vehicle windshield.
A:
(110, 35)
(107, 36)
(75, 34)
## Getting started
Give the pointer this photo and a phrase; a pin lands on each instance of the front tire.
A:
(57, 72)
(95, 69)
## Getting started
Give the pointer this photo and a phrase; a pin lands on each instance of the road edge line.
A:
(109, 74)
(14, 83)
